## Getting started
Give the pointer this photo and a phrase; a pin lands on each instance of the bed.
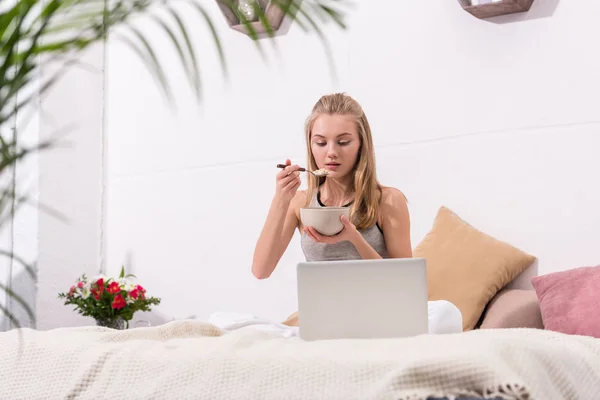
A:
(196, 360)
(541, 343)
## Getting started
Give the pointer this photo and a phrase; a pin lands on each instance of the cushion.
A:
(292, 320)
(466, 266)
(570, 300)
(513, 308)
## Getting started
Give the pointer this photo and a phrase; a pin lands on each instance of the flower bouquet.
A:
(110, 301)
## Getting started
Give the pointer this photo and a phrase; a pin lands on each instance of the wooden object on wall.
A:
(503, 7)
(273, 13)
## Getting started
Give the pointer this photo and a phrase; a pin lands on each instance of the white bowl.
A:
(325, 220)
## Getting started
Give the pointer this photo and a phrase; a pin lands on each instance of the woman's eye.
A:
(320, 144)
(344, 143)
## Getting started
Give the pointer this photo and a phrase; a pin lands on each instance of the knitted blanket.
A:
(195, 360)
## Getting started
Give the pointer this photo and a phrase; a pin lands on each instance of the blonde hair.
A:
(367, 190)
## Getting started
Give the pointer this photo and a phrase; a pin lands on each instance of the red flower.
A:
(71, 291)
(98, 288)
(118, 302)
(80, 284)
(141, 291)
(113, 288)
(134, 294)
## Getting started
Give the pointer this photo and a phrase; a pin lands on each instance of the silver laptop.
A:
(359, 299)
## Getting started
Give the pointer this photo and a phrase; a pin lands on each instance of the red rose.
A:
(141, 291)
(113, 288)
(98, 288)
(118, 302)
(134, 294)
(80, 284)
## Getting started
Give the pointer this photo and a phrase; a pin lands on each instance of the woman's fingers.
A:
(287, 171)
(292, 183)
(316, 236)
(309, 234)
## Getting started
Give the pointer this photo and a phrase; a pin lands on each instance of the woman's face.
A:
(335, 144)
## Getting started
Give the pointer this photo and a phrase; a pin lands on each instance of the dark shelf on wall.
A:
(503, 7)
(273, 13)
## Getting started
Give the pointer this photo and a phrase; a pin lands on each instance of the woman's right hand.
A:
(288, 182)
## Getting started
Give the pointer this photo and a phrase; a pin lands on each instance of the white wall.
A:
(71, 186)
(495, 119)
(20, 234)
(60, 228)
(19, 226)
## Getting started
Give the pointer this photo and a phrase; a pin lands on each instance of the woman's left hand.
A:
(349, 233)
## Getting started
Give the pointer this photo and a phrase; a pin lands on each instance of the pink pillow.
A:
(570, 300)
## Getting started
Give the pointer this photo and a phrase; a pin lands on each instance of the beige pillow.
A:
(292, 320)
(467, 267)
(513, 308)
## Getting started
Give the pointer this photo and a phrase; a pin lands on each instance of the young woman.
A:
(338, 139)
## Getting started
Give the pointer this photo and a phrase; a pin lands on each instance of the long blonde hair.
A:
(367, 190)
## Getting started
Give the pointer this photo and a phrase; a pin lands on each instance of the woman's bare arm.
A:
(280, 222)
(396, 224)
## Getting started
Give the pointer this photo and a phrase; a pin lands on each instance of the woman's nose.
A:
(332, 151)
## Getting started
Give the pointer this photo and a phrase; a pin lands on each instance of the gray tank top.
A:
(314, 251)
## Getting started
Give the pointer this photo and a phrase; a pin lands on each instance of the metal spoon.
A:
(318, 173)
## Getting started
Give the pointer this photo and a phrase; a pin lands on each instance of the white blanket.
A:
(196, 360)
(444, 317)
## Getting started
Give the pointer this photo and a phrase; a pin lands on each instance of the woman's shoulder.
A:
(394, 205)
(300, 195)
(299, 200)
(391, 196)
(297, 203)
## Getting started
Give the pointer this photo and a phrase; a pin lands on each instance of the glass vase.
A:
(118, 323)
